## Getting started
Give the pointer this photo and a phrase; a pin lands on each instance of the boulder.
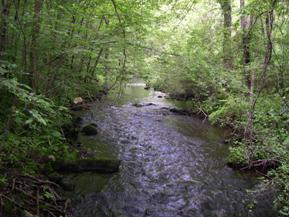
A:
(147, 87)
(179, 111)
(138, 105)
(59, 179)
(70, 132)
(77, 121)
(90, 130)
(87, 165)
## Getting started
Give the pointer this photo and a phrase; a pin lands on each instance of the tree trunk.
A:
(72, 33)
(17, 34)
(25, 43)
(106, 58)
(88, 67)
(34, 40)
(248, 74)
(5, 6)
(92, 70)
(227, 43)
(245, 25)
(254, 95)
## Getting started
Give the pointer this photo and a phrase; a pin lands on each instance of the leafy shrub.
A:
(34, 127)
(238, 155)
(231, 110)
(281, 178)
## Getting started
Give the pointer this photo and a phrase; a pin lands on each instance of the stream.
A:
(171, 165)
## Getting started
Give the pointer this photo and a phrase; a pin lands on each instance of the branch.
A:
(268, 54)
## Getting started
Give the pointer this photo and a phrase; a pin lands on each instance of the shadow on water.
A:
(172, 165)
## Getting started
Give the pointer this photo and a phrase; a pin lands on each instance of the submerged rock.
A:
(88, 165)
(77, 121)
(147, 87)
(139, 105)
(90, 130)
(180, 111)
(70, 132)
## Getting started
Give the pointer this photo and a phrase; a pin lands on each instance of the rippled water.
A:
(171, 165)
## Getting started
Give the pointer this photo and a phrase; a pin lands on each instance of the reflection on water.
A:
(172, 165)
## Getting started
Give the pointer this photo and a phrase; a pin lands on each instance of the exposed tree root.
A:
(262, 165)
(35, 196)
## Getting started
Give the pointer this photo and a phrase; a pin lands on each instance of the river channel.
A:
(171, 165)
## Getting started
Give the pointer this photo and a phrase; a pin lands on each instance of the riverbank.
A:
(32, 181)
(259, 166)
(267, 155)
(135, 125)
(171, 164)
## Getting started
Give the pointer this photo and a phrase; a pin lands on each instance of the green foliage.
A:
(34, 126)
(238, 155)
(281, 178)
(188, 65)
(3, 180)
(74, 49)
(230, 110)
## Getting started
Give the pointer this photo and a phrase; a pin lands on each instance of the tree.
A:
(34, 44)
(227, 42)
(246, 25)
(5, 9)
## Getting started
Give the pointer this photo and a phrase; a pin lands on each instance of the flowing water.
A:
(171, 165)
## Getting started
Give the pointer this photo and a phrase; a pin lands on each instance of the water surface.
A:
(171, 165)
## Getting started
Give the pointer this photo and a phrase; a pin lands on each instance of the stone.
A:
(63, 183)
(77, 100)
(27, 214)
(77, 121)
(147, 87)
(90, 130)
(52, 158)
(70, 132)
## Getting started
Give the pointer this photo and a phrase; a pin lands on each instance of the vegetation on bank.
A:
(227, 59)
(50, 53)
